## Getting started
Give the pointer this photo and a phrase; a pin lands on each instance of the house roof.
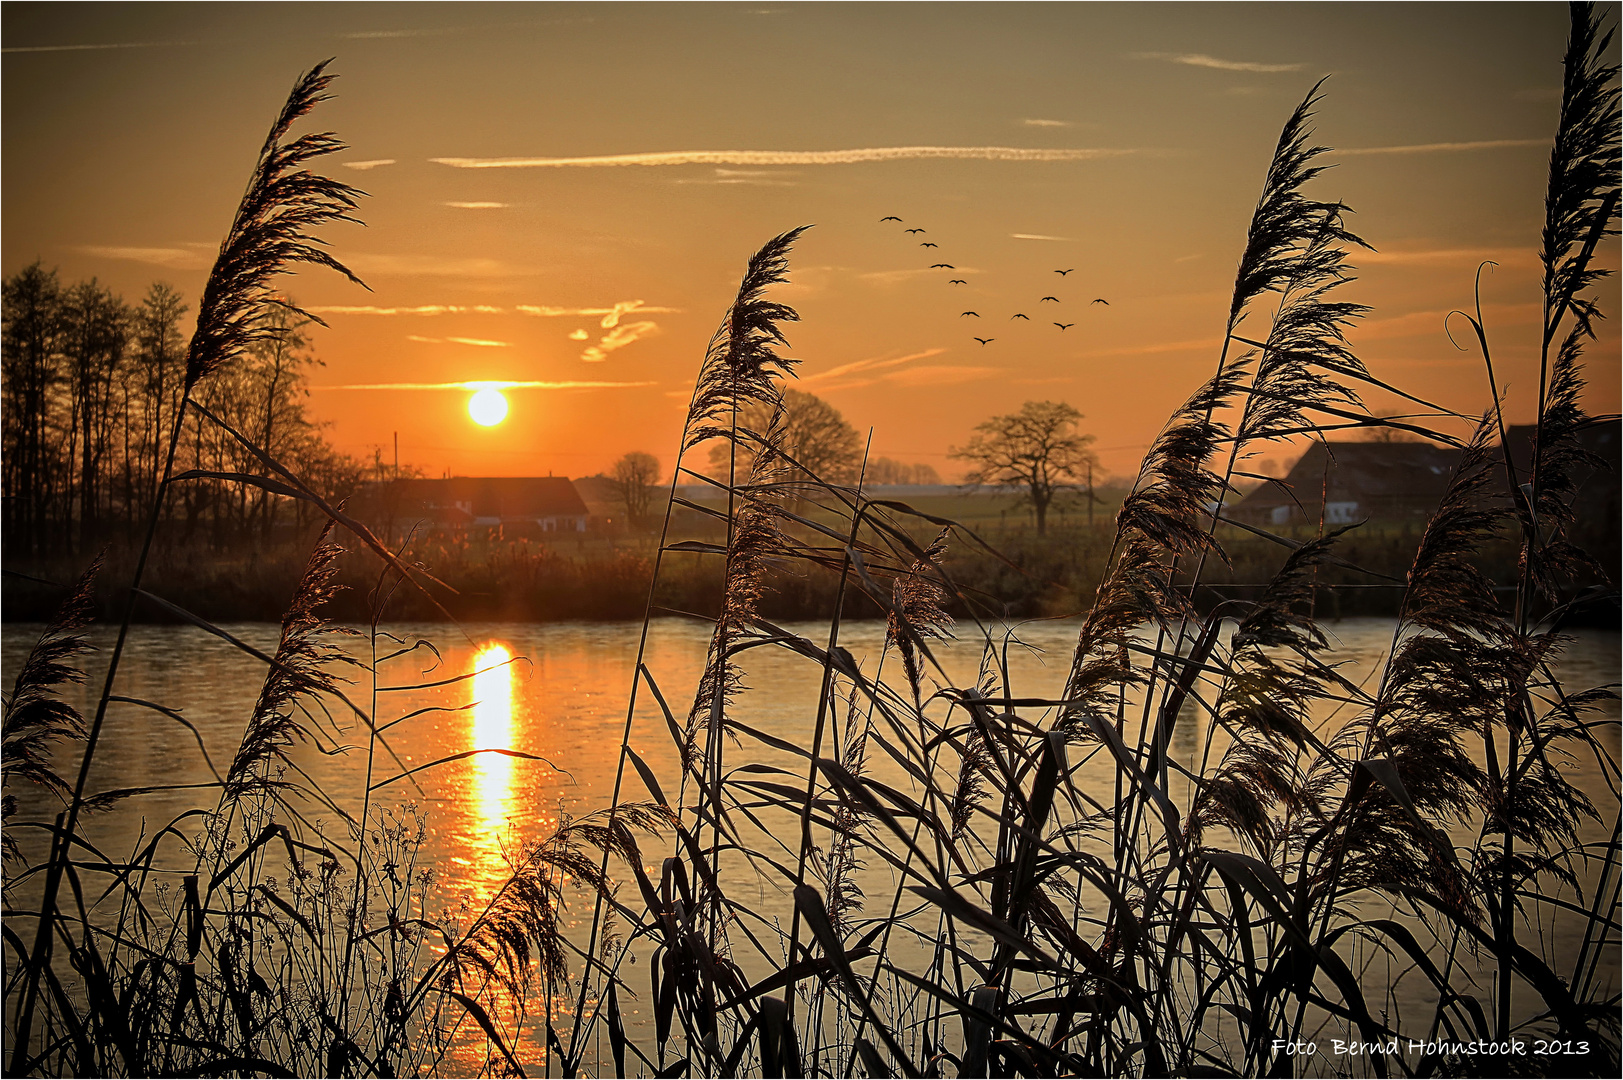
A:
(1360, 471)
(507, 497)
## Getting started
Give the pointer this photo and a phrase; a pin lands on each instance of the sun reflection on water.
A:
(491, 800)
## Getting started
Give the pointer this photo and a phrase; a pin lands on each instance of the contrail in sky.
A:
(788, 157)
(487, 384)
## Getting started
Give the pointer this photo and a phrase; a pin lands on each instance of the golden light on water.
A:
(488, 407)
(493, 729)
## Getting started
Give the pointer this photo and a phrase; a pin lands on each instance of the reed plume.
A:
(271, 233)
(741, 363)
(1285, 221)
(844, 860)
(1581, 202)
(36, 720)
(1159, 520)
(1447, 680)
(1272, 679)
(523, 922)
(755, 542)
(918, 612)
(1581, 209)
(302, 669)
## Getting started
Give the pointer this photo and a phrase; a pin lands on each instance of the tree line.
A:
(1040, 451)
(91, 389)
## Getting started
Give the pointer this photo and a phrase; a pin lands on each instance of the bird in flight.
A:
(1053, 298)
(1103, 301)
(985, 340)
(1017, 315)
(912, 231)
(926, 243)
(943, 266)
(885, 219)
(1062, 273)
(974, 313)
(957, 281)
(1065, 325)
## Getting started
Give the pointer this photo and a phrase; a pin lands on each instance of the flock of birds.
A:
(1063, 326)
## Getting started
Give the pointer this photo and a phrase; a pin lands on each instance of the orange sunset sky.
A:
(566, 194)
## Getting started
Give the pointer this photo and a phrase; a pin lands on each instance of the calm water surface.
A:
(558, 691)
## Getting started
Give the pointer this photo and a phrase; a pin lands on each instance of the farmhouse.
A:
(1354, 481)
(1595, 503)
(1405, 481)
(519, 505)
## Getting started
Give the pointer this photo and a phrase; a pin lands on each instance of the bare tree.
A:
(634, 477)
(815, 434)
(32, 373)
(1037, 448)
(95, 339)
(155, 377)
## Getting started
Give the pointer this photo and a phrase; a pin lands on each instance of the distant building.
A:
(1354, 481)
(1595, 506)
(519, 505)
(1405, 481)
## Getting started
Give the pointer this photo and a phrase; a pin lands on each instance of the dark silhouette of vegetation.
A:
(91, 394)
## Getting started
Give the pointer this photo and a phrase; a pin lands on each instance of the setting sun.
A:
(488, 407)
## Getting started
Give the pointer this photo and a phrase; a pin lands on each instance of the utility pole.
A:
(397, 455)
(1090, 494)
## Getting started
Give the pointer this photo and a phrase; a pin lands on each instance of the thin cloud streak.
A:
(891, 277)
(431, 266)
(1435, 322)
(423, 309)
(789, 157)
(94, 48)
(872, 364)
(1443, 147)
(362, 166)
(491, 384)
(1150, 350)
(940, 375)
(925, 375)
(1046, 123)
(1444, 256)
(610, 316)
(1037, 236)
(172, 258)
(1205, 61)
(478, 205)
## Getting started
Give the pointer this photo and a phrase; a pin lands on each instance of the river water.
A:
(559, 691)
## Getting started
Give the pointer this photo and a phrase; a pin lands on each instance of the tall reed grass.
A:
(954, 899)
